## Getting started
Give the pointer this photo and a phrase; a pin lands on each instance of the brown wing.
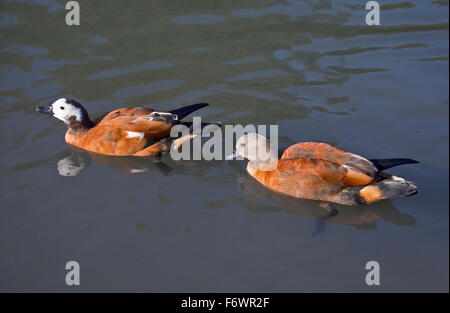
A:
(128, 112)
(309, 178)
(360, 170)
(131, 119)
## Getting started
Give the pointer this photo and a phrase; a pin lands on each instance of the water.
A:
(312, 67)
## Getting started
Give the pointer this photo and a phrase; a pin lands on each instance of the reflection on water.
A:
(75, 160)
(312, 67)
(255, 195)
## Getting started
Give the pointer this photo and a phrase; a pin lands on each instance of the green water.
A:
(311, 67)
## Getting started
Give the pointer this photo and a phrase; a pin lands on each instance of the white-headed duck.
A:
(122, 132)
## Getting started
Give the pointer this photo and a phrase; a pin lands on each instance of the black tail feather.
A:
(185, 111)
(382, 164)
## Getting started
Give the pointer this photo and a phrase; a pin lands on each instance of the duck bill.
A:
(45, 109)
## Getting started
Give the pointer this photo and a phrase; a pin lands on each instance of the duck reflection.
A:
(256, 197)
(72, 165)
(360, 217)
(77, 159)
(128, 165)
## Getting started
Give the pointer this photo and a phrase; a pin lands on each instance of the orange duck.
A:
(122, 132)
(319, 171)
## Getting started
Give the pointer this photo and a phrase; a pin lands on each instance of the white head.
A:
(64, 110)
(72, 113)
(258, 150)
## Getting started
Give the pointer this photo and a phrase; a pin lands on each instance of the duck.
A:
(360, 217)
(122, 132)
(319, 171)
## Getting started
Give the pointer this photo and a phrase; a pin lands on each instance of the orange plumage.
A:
(319, 171)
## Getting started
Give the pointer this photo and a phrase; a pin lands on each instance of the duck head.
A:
(72, 113)
(258, 150)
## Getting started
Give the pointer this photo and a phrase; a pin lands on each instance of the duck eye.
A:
(62, 108)
(242, 144)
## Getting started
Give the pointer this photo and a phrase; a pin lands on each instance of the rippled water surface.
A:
(312, 67)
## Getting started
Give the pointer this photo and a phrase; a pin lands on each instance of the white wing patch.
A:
(131, 134)
(138, 170)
